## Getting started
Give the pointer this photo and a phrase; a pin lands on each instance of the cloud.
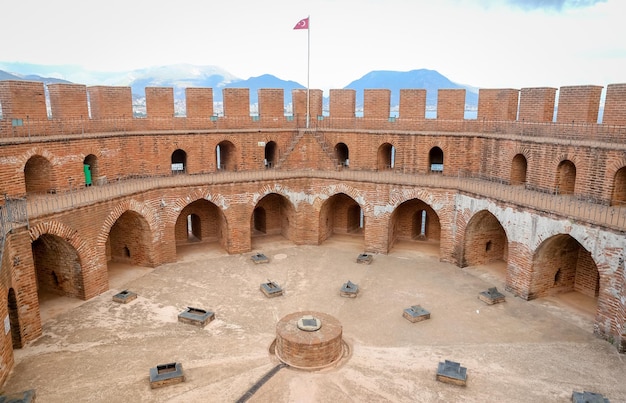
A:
(553, 4)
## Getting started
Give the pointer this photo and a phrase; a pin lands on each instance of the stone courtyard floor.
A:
(516, 351)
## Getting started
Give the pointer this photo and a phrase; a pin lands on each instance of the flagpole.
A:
(308, 69)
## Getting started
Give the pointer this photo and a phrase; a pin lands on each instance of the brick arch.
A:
(485, 239)
(145, 211)
(233, 139)
(557, 159)
(331, 190)
(40, 151)
(614, 166)
(616, 191)
(181, 202)
(559, 265)
(275, 188)
(88, 268)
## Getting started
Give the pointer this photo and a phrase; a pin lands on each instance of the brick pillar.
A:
(497, 104)
(615, 105)
(451, 104)
(68, 101)
(236, 102)
(20, 99)
(342, 103)
(110, 102)
(298, 97)
(271, 102)
(159, 102)
(413, 104)
(376, 103)
(199, 102)
(579, 104)
(537, 104)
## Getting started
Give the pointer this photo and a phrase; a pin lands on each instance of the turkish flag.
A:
(302, 24)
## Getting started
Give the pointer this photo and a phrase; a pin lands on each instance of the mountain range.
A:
(181, 76)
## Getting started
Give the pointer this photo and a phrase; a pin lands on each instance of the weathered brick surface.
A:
(67, 252)
(451, 104)
(497, 104)
(23, 100)
(579, 104)
(537, 104)
(615, 105)
(68, 101)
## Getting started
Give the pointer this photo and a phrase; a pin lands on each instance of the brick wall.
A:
(68, 101)
(537, 104)
(497, 104)
(342, 103)
(272, 103)
(110, 102)
(299, 97)
(615, 105)
(159, 102)
(579, 104)
(236, 102)
(451, 104)
(199, 102)
(22, 100)
(376, 103)
(412, 104)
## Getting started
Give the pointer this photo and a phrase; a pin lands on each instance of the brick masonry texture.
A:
(66, 251)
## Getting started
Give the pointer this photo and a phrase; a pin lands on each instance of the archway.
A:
(273, 214)
(225, 155)
(16, 334)
(485, 242)
(341, 214)
(417, 223)
(618, 197)
(563, 267)
(519, 166)
(342, 154)
(435, 160)
(129, 241)
(385, 157)
(565, 177)
(200, 222)
(38, 175)
(58, 269)
(179, 162)
(270, 154)
(90, 169)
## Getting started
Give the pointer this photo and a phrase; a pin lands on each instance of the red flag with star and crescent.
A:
(302, 24)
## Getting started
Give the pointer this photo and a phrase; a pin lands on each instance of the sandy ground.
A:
(516, 351)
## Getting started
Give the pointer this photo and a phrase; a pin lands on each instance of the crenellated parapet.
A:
(576, 104)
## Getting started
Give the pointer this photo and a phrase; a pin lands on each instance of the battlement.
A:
(576, 104)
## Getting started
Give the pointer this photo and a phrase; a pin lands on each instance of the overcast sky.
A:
(485, 43)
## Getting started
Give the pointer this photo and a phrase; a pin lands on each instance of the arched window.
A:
(566, 177)
(518, 170)
(179, 162)
(342, 154)
(435, 160)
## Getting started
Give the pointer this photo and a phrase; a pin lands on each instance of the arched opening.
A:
(14, 321)
(58, 273)
(565, 177)
(518, 170)
(435, 160)
(273, 215)
(342, 154)
(200, 222)
(179, 162)
(486, 243)
(414, 224)
(385, 157)
(270, 156)
(129, 243)
(259, 221)
(341, 215)
(225, 156)
(564, 270)
(90, 169)
(38, 175)
(618, 198)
